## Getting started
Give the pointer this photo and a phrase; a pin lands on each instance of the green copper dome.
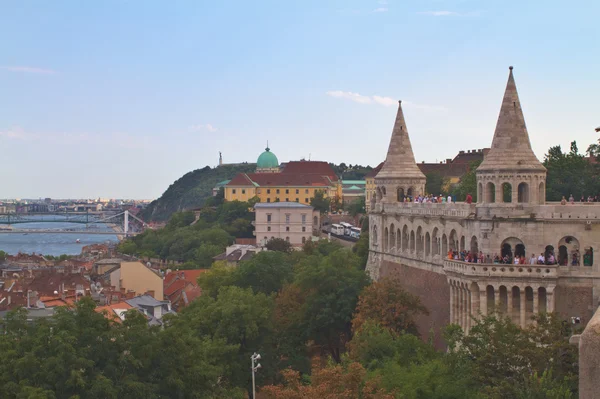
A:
(267, 160)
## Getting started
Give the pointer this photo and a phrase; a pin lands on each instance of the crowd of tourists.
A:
(571, 199)
(430, 199)
(507, 259)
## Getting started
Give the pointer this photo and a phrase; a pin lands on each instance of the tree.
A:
(505, 358)
(361, 249)
(435, 183)
(357, 207)
(467, 184)
(3, 256)
(388, 304)
(279, 244)
(332, 382)
(266, 272)
(332, 284)
(320, 202)
(570, 173)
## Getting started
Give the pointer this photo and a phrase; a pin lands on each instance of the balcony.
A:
(501, 270)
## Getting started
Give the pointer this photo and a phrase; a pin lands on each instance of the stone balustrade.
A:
(500, 270)
(457, 210)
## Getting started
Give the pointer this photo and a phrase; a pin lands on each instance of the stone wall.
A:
(574, 301)
(589, 361)
(433, 290)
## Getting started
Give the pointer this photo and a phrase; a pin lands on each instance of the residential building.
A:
(181, 287)
(152, 308)
(370, 185)
(236, 253)
(291, 221)
(134, 277)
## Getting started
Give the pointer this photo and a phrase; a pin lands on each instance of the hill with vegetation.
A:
(191, 190)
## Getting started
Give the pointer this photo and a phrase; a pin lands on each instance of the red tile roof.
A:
(281, 180)
(310, 167)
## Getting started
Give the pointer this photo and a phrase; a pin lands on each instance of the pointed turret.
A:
(511, 148)
(400, 160)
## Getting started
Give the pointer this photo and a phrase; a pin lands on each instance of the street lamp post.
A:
(255, 366)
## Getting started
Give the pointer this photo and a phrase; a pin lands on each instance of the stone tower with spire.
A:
(430, 248)
(510, 172)
(400, 176)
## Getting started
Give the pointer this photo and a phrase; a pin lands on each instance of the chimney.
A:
(150, 292)
(130, 295)
(448, 160)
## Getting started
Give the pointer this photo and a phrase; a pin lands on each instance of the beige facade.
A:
(291, 221)
(136, 277)
(418, 237)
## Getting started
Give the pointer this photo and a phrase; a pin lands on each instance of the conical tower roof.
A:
(511, 148)
(400, 160)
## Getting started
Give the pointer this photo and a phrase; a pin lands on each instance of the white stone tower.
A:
(511, 167)
(400, 176)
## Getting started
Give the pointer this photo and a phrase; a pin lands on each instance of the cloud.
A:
(16, 134)
(439, 13)
(380, 9)
(382, 100)
(202, 127)
(348, 95)
(383, 2)
(26, 69)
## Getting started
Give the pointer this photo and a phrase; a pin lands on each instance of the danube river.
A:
(53, 243)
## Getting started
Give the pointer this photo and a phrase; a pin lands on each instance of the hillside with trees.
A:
(191, 190)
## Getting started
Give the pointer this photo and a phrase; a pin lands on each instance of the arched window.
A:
(287, 239)
(303, 240)
(409, 192)
(444, 245)
(398, 240)
(405, 238)
(383, 191)
(490, 193)
(568, 251)
(427, 244)
(315, 221)
(453, 241)
(588, 257)
(392, 238)
(386, 237)
(436, 243)
(419, 240)
(379, 194)
(542, 194)
(375, 243)
(474, 245)
(462, 243)
(523, 193)
(506, 192)
(542, 297)
(400, 194)
(412, 241)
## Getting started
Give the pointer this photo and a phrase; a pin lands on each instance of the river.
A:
(52, 243)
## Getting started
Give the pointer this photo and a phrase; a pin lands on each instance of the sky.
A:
(119, 98)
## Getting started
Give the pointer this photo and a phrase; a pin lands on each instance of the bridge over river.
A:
(123, 223)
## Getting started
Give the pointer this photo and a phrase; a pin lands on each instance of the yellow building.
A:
(370, 186)
(296, 181)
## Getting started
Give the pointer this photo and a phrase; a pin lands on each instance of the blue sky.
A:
(120, 98)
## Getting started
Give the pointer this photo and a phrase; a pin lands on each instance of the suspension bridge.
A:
(122, 223)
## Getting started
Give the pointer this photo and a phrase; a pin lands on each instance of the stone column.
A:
(469, 310)
(483, 301)
(523, 309)
(509, 303)
(535, 300)
(514, 185)
(456, 307)
(451, 302)
(498, 187)
(460, 306)
(497, 297)
(550, 299)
